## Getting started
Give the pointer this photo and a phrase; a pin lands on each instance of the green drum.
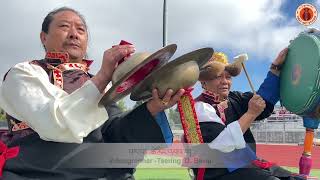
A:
(299, 79)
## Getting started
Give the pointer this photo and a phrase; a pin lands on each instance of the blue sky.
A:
(258, 66)
(259, 28)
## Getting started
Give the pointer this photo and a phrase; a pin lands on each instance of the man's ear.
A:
(43, 37)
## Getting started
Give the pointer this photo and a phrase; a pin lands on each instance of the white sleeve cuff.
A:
(229, 139)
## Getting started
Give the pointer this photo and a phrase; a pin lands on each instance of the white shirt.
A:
(27, 95)
(230, 138)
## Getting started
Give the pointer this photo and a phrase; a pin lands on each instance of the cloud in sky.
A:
(260, 28)
(240, 26)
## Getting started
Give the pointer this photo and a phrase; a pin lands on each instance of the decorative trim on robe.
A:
(230, 138)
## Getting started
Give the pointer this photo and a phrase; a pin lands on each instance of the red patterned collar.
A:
(63, 57)
(214, 100)
(211, 97)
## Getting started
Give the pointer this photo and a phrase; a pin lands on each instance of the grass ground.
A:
(162, 174)
(145, 171)
(182, 174)
(314, 172)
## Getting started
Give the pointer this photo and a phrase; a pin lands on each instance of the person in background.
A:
(225, 117)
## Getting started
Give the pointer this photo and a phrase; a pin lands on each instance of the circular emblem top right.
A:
(306, 14)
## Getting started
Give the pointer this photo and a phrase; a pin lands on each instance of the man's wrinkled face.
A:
(67, 33)
(220, 85)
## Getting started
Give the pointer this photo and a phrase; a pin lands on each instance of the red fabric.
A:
(183, 122)
(263, 164)
(182, 117)
(188, 93)
(62, 56)
(123, 42)
(88, 62)
(201, 171)
(200, 175)
(7, 153)
(138, 76)
(211, 97)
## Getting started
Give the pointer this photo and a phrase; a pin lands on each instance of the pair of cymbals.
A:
(145, 73)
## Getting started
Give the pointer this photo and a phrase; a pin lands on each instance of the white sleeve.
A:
(206, 113)
(55, 115)
(230, 138)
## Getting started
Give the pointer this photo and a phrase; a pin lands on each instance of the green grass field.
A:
(147, 171)
(163, 174)
(182, 174)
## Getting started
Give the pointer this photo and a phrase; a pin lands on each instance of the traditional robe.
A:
(52, 108)
(224, 133)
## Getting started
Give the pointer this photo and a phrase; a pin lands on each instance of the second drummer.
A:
(230, 131)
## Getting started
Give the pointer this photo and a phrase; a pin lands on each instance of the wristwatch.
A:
(275, 67)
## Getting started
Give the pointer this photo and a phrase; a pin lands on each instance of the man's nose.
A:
(73, 33)
(224, 80)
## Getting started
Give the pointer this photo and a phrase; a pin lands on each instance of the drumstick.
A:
(249, 80)
(240, 59)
